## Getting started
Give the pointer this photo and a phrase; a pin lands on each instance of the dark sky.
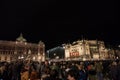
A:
(59, 21)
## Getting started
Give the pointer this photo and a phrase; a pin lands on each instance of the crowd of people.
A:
(63, 70)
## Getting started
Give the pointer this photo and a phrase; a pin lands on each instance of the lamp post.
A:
(15, 52)
(54, 55)
(25, 48)
(41, 50)
(39, 58)
(22, 57)
(29, 54)
(48, 54)
(118, 47)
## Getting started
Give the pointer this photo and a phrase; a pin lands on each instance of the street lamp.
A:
(54, 55)
(119, 46)
(39, 58)
(57, 57)
(25, 47)
(22, 57)
(48, 54)
(29, 55)
(19, 57)
(33, 58)
(29, 52)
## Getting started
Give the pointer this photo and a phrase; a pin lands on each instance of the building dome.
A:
(21, 38)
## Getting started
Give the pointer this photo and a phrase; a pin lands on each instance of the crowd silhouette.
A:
(63, 70)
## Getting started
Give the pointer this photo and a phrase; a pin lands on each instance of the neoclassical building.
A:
(21, 49)
(86, 49)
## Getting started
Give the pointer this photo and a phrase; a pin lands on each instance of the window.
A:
(5, 58)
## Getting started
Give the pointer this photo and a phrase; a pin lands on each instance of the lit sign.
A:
(74, 53)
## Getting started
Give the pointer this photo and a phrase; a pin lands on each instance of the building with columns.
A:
(21, 49)
(86, 49)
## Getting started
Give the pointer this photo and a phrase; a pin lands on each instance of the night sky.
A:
(58, 21)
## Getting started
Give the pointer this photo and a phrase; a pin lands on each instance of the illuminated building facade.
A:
(86, 49)
(21, 49)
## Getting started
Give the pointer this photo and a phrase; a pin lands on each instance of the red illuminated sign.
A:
(74, 52)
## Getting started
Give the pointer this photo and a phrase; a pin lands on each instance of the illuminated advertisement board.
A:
(74, 52)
